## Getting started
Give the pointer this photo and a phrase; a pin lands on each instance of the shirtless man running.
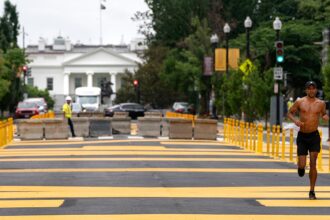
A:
(310, 109)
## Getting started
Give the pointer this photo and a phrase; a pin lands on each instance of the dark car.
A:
(26, 110)
(134, 110)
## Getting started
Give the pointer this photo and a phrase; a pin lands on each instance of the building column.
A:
(90, 79)
(114, 87)
(66, 83)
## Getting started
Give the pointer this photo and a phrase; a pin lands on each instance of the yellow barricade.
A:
(49, 114)
(6, 132)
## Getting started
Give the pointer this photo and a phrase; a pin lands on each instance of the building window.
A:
(30, 81)
(77, 82)
(50, 84)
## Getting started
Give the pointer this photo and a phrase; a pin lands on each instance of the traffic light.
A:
(279, 51)
(25, 69)
(136, 83)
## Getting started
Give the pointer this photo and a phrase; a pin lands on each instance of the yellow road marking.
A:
(166, 217)
(196, 143)
(295, 203)
(153, 192)
(145, 159)
(30, 204)
(123, 148)
(80, 153)
(68, 142)
(177, 170)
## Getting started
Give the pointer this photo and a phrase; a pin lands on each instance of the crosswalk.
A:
(152, 179)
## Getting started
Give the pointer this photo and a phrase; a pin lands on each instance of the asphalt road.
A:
(152, 179)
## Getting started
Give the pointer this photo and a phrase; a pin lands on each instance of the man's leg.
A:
(301, 165)
(71, 127)
(313, 170)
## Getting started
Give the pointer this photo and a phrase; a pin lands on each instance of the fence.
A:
(250, 136)
(6, 132)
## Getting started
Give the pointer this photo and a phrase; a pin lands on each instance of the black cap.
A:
(310, 83)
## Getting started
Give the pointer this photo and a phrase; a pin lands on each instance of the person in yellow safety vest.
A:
(290, 103)
(67, 111)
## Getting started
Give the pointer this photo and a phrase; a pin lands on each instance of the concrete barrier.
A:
(121, 125)
(153, 114)
(30, 129)
(205, 129)
(100, 127)
(180, 128)
(56, 128)
(85, 114)
(164, 127)
(81, 126)
(97, 115)
(149, 126)
(120, 114)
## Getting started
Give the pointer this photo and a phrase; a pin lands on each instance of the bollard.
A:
(268, 140)
(278, 128)
(251, 136)
(246, 135)
(273, 140)
(255, 136)
(1, 134)
(224, 129)
(283, 144)
(260, 138)
(291, 144)
(5, 139)
(320, 156)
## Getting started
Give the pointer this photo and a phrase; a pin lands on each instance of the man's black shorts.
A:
(308, 142)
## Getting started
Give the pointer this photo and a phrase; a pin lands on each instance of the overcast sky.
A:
(78, 19)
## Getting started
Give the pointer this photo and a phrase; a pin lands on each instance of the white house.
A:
(62, 66)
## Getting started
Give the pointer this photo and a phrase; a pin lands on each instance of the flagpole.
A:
(100, 23)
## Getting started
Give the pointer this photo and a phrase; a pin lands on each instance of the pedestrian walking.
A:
(67, 111)
(309, 109)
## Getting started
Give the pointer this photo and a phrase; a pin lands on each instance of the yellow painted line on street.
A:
(30, 204)
(295, 203)
(177, 170)
(70, 142)
(91, 153)
(154, 148)
(196, 143)
(124, 148)
(145, 159)
(166, 217)
(153, 192)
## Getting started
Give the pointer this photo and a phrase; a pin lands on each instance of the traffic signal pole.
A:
(278, 88)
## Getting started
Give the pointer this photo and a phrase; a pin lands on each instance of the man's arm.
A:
(324, 112)
(292, 112)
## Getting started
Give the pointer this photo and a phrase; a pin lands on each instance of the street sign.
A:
(208, 70)
(278, 73)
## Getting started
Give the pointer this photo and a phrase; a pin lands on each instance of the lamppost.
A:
(226, 29)
(248, 25)
(214, 43)
(277, 25)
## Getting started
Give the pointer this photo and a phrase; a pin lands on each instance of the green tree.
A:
(9, 26)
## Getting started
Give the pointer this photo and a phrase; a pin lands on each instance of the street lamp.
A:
(226, 29)
(277, 25)
(248, 25)
(214, 43)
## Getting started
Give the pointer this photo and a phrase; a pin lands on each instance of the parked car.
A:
(42, 105)
(26, 110)
(180, 107)
(134, 110)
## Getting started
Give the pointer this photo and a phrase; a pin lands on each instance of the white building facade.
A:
(62, 67)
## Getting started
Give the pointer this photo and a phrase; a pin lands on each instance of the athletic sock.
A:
(301, 172)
